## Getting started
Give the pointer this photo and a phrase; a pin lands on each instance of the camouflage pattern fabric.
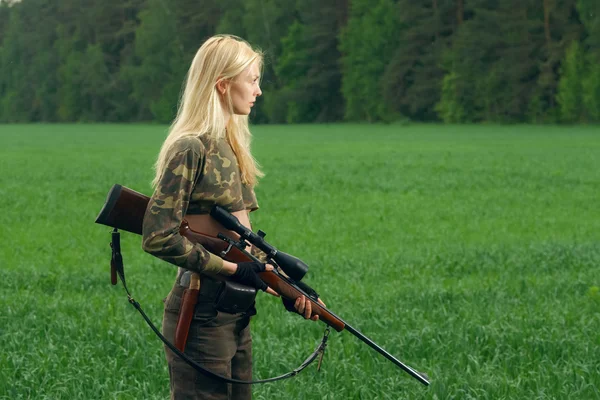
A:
(262, 257)
(199, 174)
(218, 341)
(220, 182)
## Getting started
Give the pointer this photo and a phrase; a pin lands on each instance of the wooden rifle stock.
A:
(125, 208)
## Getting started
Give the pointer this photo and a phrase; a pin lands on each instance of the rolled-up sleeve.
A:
(166, 210)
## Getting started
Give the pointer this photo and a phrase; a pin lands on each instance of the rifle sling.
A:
(117, 263)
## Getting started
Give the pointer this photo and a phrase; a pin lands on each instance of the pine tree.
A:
(491, 63)
(159, 69)
(555, 26)
(27, 62)
(570, 85)
(589, 12)
(367, 45)
(413, 78)
(308, 67)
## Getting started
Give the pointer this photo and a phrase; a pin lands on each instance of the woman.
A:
(206, 160)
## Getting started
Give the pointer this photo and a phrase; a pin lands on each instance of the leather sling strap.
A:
(117, 266)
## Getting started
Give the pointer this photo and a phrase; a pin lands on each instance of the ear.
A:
(222, 86)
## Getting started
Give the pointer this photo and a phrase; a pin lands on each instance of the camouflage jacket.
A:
(200, 173)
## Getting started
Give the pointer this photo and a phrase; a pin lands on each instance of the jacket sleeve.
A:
(258, 254)
(166, 209)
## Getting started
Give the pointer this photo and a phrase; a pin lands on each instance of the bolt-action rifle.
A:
(125, 208)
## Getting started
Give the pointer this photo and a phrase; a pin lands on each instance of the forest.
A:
(451, 61)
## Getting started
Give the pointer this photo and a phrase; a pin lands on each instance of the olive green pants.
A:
(218, 341)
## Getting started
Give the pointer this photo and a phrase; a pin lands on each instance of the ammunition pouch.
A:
(224, 295)
(235, 298)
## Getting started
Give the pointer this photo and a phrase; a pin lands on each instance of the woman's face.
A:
(245, 89)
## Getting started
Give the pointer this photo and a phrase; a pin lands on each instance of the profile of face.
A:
(244, 89)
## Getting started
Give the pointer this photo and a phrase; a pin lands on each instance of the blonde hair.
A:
(221, 57)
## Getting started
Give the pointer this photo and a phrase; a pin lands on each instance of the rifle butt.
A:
(124, 209)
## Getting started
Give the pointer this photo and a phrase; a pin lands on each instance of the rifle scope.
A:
(292, 266)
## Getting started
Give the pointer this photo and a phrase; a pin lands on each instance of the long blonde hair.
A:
(221, 57)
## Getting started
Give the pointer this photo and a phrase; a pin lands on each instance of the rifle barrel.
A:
(124, 209)
(417, 375)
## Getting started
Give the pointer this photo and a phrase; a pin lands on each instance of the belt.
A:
(209, 287)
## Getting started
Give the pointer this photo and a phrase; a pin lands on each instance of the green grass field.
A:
(471, 253)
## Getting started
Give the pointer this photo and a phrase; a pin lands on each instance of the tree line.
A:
(326, 60)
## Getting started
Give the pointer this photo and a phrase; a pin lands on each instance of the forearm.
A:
(178, 250)
(229, 268)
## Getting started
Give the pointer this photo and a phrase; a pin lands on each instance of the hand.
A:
(246, 273)
(304, 306)
(301, 305)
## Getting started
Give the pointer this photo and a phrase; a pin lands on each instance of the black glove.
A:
(289, 304)
(247, 274)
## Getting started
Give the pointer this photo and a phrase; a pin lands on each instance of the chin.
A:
(243, 112)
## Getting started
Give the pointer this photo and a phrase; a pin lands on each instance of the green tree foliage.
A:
(491, 64)
(64, 60)
(195, 21)
(158, 68)
(591, 92)
(28, 85)
(69, 76)
(292, 66)
(367, 45)
(505, 59)
(555, 26)
(166, 40)
(308, 67)
(4, 20)
(413, 78)
(450, 108)
(570, 85)
(12, 106)
(589, 12)
(265, 23)
(325, 60)
(232, 18)
(83, 77)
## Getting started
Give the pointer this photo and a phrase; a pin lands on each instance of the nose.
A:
(258, 91)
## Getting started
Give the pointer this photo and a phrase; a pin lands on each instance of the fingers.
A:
(304, 307)
(307, 308)
(321, 302)
(269, 267)
(299, 304)
(272, 292)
